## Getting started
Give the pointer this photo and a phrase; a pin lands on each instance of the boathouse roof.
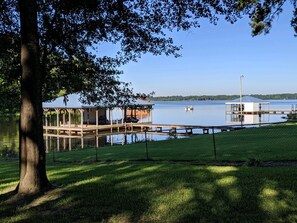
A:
(248, 99)
(74, 102)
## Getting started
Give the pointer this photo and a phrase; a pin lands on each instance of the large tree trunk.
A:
(33, 177)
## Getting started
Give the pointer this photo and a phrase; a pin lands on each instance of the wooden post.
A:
(46, 121)
(75, 117)
(69, 121)
(46, 143)
(82, 142)
(64, 118)
(125, 114)
(58, 143)
(97, 121)
(123, 139)
(50, 119)
(97, 117)
(50, 143)
(88, 116)
(58, 119)
(110, 116)
(70, 141)
(81, 120)
(97, 141)
(111, 140)
(110, 119)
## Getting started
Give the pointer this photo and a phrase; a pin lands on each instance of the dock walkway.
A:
(271, 112)
(78, 130)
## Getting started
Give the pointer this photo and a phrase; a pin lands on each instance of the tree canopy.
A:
(71, 33)
(262, 13)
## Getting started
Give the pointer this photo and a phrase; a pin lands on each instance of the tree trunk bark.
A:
(33, 177)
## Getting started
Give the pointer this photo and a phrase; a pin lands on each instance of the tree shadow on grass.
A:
(88, 194)
(150, 192)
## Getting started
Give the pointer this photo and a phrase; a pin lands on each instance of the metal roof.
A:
(74, 102)
(248, 99)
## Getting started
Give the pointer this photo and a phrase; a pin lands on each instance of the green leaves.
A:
(69, 29)
(294, 21)
(262, 13)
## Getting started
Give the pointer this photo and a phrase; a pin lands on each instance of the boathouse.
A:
(72, 117)
(247, 105)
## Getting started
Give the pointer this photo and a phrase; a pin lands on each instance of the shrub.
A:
(7, 152)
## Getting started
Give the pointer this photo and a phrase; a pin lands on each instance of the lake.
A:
(208, 113)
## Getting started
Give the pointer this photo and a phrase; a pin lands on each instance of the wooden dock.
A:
(65, 134)
(85, 129)
(271, 112)
(80, 131)
(188, 129)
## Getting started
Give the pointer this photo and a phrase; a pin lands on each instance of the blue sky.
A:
(214, 57)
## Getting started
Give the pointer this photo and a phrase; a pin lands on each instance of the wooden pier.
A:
(66, 135)
(86, 129)
(83, 130)
(188, 129)
(271, 112)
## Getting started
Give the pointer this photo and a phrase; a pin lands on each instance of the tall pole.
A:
(241, 77)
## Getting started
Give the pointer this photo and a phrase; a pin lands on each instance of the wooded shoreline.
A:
(283, 96)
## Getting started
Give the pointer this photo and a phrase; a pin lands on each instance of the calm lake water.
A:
(207, 113)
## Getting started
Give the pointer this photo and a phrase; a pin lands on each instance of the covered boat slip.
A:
(247, 105)
(74, 118)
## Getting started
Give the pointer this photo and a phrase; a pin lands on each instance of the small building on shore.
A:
(247, 105)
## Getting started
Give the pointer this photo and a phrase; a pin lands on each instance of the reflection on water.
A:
(247, 119)
(64, 143)
(206, 113)
(9, 134)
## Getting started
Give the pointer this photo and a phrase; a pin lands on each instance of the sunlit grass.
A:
(128, 191)
(265, 143)
(155, 192)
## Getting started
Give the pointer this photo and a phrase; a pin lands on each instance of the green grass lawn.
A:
(160, 191)
(275, 142)
(154, 192)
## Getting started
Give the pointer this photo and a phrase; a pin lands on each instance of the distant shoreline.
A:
(284, 96)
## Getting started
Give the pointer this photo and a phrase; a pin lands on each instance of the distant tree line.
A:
(285, 96)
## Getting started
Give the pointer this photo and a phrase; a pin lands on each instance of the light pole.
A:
(241, 77)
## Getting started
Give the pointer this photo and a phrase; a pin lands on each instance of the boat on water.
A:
(189, 108)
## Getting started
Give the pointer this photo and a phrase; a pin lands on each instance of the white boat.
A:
(189, 108)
